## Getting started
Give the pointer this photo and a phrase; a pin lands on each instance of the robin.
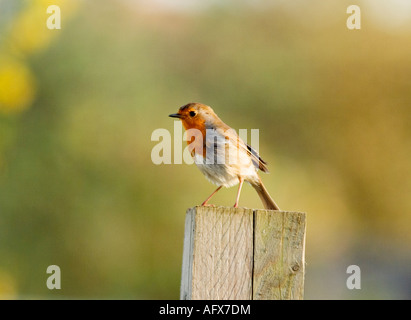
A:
(220, 154)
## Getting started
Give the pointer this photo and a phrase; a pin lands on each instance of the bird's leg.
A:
(205, 202)
(238, 192)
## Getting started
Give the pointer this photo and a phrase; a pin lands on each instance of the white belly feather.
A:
(223, 164)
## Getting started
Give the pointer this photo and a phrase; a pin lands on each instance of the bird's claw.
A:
(207, 205)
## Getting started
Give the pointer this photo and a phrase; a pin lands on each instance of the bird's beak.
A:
(175, 115)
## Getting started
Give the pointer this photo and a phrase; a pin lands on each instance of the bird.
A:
(220, 154)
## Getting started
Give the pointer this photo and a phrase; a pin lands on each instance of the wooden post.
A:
(243, 254)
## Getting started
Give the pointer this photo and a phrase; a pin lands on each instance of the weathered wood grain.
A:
(222, 254)
(187, 267)
(279, 248)
(239, 253)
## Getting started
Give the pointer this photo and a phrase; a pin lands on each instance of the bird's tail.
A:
(265, 197)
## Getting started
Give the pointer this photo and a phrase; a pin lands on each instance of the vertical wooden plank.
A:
(222, 253)
(187, 270)
(279, 245)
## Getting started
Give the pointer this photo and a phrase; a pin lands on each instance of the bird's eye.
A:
(192, 113)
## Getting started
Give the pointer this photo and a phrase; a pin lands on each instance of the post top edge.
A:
(242, 209)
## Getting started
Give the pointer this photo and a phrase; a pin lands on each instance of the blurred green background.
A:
(78, 106)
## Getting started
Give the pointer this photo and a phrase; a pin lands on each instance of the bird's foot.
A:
(205, 204)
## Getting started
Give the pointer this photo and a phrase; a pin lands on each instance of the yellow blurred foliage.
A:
(29, 32)
(17, 85)
(8, 287)
(28, 35)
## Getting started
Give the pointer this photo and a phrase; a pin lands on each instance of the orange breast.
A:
(196, 142)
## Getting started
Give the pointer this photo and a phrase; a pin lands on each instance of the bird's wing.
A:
(257, 161)
(251, 152)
